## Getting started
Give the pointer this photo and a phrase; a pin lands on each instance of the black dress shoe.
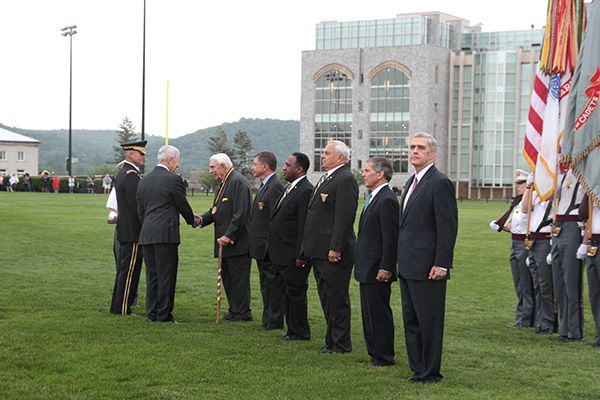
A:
(150, 320)
(379, 363)
(559, 339)
(337, 352)
(575, 340)
(325, 348)
(594, 345)
(227, 316)
(295, 338)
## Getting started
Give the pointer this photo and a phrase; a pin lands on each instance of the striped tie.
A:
(287, 190)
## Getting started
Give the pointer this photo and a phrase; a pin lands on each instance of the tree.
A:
(218, 143)
(125, 134)
(207, 179)
(242, 146)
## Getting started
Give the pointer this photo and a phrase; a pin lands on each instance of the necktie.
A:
(319, 183)
(260, 187)
(369, 197)
(411, 191)
(287, 190)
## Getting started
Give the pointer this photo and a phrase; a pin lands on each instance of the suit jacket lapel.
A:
(366, 212)
(420, 186)
(326, 182)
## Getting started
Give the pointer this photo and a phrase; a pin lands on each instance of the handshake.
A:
(197, 221)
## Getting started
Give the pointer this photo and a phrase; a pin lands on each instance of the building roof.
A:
(12, 137)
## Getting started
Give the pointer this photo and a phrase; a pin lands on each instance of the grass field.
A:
(58, 340)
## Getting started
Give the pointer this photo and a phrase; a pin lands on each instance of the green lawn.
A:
(58, 340)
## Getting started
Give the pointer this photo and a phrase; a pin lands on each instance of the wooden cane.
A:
(219, 283)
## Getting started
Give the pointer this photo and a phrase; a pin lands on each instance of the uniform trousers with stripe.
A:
(127, 278)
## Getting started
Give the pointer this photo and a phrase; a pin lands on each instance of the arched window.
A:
(390, 116)
(333, 110)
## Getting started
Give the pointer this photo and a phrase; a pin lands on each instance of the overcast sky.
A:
(224, 60)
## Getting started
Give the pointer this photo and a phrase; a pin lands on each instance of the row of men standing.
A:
(545, 259)
(289, 230)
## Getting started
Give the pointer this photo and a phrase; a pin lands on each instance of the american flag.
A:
(544, 129)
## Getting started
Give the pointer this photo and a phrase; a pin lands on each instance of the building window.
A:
(2, 156)
(389, 118)
(333, 111)
(20, 156)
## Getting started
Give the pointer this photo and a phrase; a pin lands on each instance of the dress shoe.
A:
(237, 318)
(337, 352)
(515, 325)
(294, 338)
(594, 345)
(559, 339)
(575, 340)
(414, 379)
(227, 316)
(539, 331)
(325, 348)
(286, 337)
(379, 363)
(133, 314)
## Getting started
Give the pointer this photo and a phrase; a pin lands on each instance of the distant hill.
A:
(93, 148)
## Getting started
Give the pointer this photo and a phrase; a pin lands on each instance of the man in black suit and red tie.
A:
(284, 245)
(128, 229)
(375, 263)
(329, 241)
(230, 213)
(161, 198)
(428, 228)
(265, 201)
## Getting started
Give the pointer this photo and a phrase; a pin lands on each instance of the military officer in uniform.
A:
(128, 229)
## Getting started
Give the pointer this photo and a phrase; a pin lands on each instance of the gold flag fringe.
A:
(586, 187)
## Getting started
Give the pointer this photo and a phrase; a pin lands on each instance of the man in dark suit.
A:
(128, 229)
(230, 213)
(271, 285)
(375, 263)
(329, 241)
(428, 227)
(161, 198)
(284, 245)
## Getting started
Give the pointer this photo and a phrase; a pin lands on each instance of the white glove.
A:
(549, 259)
(112, 216)
(528, 261)
(494, 226)
(582, 251)
(530, 179)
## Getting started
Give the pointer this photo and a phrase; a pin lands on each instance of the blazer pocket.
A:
(326, 231)
(423, 244)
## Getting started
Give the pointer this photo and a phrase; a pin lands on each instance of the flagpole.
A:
(167, 131)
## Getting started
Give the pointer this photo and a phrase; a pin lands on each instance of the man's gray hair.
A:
(382, 164)
(341, 148)
(430, 139)
(167, 151)
(222, 159)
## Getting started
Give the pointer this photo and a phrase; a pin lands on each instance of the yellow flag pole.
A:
(167, 131)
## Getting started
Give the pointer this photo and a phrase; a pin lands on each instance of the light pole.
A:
(70, 31)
